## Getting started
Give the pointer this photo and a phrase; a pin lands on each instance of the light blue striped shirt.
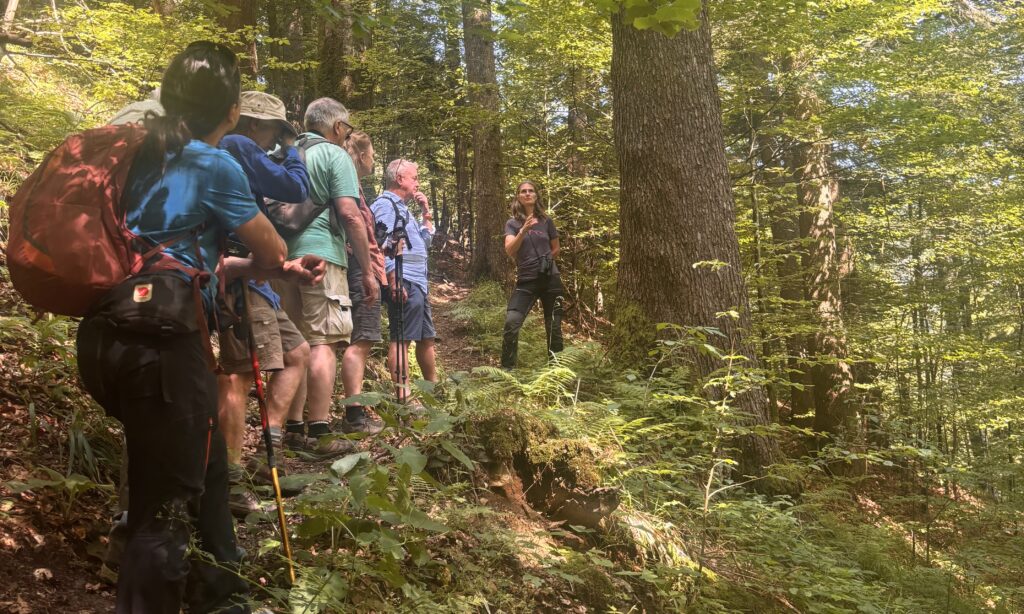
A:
(414, 256)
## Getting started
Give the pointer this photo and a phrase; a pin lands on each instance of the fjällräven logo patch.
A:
(143, 293)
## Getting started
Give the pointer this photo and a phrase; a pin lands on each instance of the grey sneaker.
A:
(322, 448)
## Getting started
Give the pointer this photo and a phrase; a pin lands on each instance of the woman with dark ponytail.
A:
(185, 194)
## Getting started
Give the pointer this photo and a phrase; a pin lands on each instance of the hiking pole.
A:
(398, 236)
(261, 399)
(400, 354)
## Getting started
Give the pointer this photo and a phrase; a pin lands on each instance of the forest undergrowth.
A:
(597, 483)
(579, 485)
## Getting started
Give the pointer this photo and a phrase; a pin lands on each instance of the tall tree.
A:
(679, 259)
(460, 153)
(818, 191)
(489, 260)
(9, 12)
(285, 77)
(339, 74)
(238, 15)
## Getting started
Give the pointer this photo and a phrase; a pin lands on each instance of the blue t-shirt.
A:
(201, 185)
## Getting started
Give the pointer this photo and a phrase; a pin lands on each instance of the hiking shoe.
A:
(242, 502)
(117, 539)
(367, 423)
(415, 409)
(320, 448)
(260, 472)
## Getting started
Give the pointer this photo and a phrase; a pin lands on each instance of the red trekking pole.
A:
(261, 399)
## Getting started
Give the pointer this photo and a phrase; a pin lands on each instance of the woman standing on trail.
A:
(154, 374)
(365, 312)
(531, 239)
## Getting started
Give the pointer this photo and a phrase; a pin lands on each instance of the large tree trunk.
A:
(339, 75)
(784, 220)
(242, 14)
(9, 12)
(288, 84)
(676, 206)
(460, 157)
(818, 191)
(489, 260)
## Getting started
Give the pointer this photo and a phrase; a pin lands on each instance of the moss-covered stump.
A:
(538, 471)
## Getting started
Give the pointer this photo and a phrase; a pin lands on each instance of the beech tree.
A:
(489, 259)
(679, 258)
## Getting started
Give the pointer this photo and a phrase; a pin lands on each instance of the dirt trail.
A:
(48, 560)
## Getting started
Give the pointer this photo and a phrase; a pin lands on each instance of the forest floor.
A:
(52, 540)
(500, 547)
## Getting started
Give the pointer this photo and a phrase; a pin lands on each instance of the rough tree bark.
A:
(338, 74)
(460, 158)
(818, 190)
(9, 13)
(676, 205)
(489, 259)
(285, 21)
(784, 220)
(242, 13)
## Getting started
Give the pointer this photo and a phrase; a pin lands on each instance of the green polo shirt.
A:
(331, 175)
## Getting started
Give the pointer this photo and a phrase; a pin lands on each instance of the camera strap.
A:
(540, 259)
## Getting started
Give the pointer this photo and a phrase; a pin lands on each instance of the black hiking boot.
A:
(359, 419)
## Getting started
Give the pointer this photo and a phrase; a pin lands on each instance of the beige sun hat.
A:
(262, 105)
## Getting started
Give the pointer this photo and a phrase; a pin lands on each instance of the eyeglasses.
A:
(349, 129)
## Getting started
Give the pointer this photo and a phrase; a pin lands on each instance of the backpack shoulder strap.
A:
(306, 143)
(394, 205)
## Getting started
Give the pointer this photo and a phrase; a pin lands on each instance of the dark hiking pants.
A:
(524, 296)
(163, 392)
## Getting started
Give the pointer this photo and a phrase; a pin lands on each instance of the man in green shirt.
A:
(324, 313)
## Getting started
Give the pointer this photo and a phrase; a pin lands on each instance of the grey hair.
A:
(391, 172)
(323, 113)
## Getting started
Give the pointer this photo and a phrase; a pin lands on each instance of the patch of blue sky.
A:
(858, 94)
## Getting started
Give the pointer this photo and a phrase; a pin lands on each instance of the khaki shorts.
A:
(274, 333)
(323, 313)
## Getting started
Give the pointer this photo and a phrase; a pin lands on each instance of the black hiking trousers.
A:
(164, 393)
(549, 290)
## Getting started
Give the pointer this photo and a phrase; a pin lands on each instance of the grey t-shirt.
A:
(536, 244)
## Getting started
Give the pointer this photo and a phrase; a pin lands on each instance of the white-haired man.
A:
(408, 302)
(323, 313)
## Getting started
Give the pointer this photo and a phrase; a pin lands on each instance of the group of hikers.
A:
(214, 193)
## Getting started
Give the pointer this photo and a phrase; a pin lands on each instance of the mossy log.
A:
(539, 471)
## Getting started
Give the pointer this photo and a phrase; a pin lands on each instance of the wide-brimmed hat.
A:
(262, 105)
(136, 112)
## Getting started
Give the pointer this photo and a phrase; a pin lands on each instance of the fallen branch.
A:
(10, 39)
(61, 58)
(9, 128)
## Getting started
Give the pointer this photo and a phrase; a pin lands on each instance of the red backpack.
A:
(69, 243)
